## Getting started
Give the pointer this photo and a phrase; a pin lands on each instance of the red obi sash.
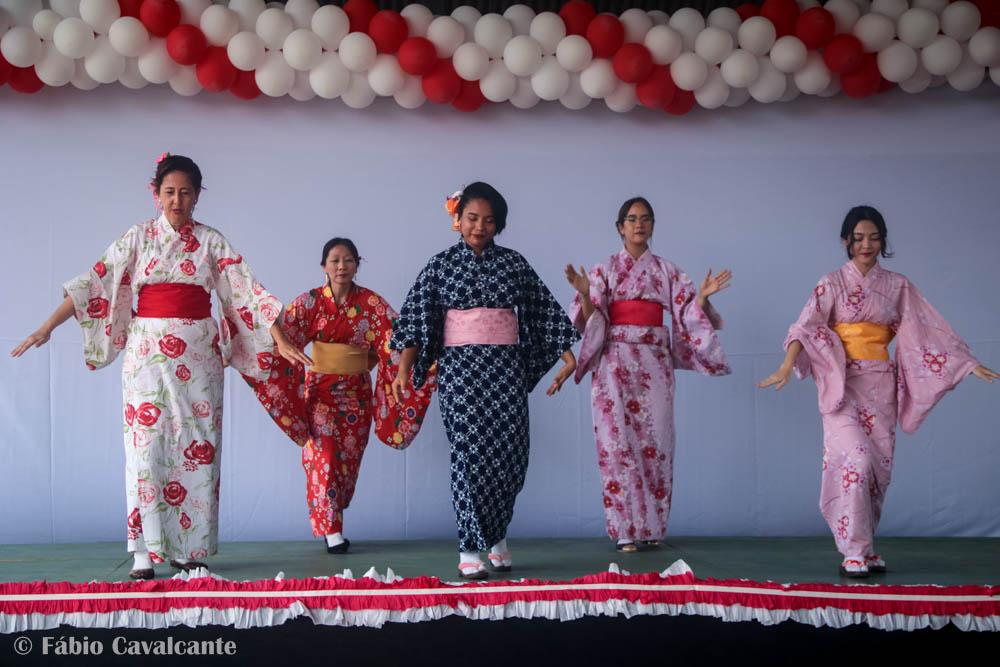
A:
(174, 300)
(639, 312)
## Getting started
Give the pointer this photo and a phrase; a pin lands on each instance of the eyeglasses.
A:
(641, 218)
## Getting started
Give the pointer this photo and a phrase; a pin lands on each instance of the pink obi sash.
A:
(174, 300)
(480, 326)
(639, 312)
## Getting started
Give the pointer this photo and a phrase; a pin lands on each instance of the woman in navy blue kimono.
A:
(482, 313)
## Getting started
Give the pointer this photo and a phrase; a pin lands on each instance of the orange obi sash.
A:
(480, 326)
(339, 359)
(638, 312)
(174, 300)
(865, 340)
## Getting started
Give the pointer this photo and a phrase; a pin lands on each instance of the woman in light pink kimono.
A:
(842, 339)
(620, 308)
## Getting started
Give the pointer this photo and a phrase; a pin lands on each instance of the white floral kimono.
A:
(172, 375)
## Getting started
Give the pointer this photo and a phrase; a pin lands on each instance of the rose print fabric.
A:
(860, 399)
(632, 392)
(172, 375)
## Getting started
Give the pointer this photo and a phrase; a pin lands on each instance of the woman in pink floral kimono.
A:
(842, 339)
(172, 375)
(620, 309)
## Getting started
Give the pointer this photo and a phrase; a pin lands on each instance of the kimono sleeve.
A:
(694, 344)
(102, 300)
(248, 311)
(931, 359)
(822, 352)
(594, 329)
(544, 330)
(421, 324)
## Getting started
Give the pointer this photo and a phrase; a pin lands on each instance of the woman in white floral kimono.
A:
(172, 375)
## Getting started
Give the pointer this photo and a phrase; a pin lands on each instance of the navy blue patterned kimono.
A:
(484, 388)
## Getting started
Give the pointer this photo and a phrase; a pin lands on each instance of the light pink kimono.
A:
(633, 384)
(859, 399)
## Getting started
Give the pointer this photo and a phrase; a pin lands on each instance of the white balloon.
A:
(331, 25)
(919, 82)
(275, 77)
(995, 75)
(246, 51)
(132, 78)
(248, 11)
(301, 90)
(191, 10)
(968, 75)
(770, 85)
(525, 97)
(411, 95)
(689, 71)
(725, 18)
(757, 35)
(301, 12)
(664, 43)
(357, 52)
(548, 29)
(100, 14)
(936, 6)
(714, 92)
(960, 20)
(7, 21)
(329, 79)
(897, 62)
(418, 19)
(219, 24)
(81, 79)
(21, 46)
(492, 33)
(623, 99)
(789, 54)
(941, 56)
(66, 8)
(129, 36)
(598, 79)
(273, 26)
(814, 76)
(917, 27)
(551, 81)
(984, 47)
(104, 64)
(185, 82)
(714, 45)
(737, 97)
(155, 63)
(498, 84)
(74, 38)
(740, 69)
(637, 23)
(845, 14)
(471, 61)
(359, 94)
(447, 34)
(520, 17)
(302, 49)
(467, 16)
(659, 17)
(53, 68)
(791, 92)
(688, 22)
(864, 5)
(22, 11)
(875, 32)
(575, 98)
(523, 56)
(574, 53)
(891, 8)
(44, 23)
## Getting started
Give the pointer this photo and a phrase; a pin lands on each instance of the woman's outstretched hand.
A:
(36, 339)
(985, 374)
(778, 378)
(569, 365)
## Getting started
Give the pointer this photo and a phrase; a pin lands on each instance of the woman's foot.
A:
(473, 570)
(650, 544)
(186, 565)
(854, 567)
(142, 566)
(143, 574)
(626, 546)
(337, 544)
(875, 564)
(500, 560)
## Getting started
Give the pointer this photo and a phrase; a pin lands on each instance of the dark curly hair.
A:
(172, 163)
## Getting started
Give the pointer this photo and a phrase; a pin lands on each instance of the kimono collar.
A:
(167, 229)
(466, 251)
(854, 271)
(327, 292)
(628, 261)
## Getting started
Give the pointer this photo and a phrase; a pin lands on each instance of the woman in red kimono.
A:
(328, 408)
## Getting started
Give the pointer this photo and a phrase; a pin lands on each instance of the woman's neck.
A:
(636, 250)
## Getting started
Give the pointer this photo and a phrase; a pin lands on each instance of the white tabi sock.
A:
(141, 560)
(499, 548)
(469, 557)
(333, 539)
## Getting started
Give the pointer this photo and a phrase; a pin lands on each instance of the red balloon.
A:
(782, 13)
(632, 63)
(130, 7)
(245, 86)
(657, 89)
(470, 97)
(885, 86)
(682, 103)
(863, 81)
(815, 27)
(443, 84)
(748, 10)
(187, 44)
(160, 16)
(844, 54)
(606, 35)
(215, 72)
(417, 56)
(360, 13)
(5, 70)
(989, 12)
(577, 15)
(388, 29)
(25, 80)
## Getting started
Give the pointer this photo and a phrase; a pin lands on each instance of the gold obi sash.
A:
(339, 359)
(865, 340)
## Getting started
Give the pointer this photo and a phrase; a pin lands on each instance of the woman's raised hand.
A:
(579, 281)
(714, 284)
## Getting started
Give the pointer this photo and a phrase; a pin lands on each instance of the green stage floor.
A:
(945, 561)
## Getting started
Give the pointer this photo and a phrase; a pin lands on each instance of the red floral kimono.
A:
(330, 415)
